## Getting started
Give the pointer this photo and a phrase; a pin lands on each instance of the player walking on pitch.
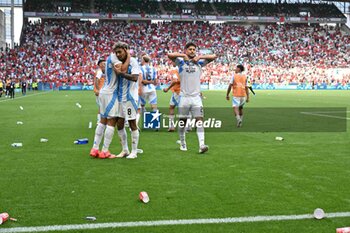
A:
(240, 92)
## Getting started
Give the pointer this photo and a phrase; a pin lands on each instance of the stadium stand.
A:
(184, 8)
(65, 51)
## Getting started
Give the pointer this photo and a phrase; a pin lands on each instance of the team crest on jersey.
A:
(191, 68)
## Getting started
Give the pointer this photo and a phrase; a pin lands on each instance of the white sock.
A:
(123, 139)
(189, 118)
(109, 132)
(137, 118)
(241, 116)
(98, 135)
(238, 117)
(134, 141)
(171, 121)
(182, 135)
(98, 117)
(200, 135)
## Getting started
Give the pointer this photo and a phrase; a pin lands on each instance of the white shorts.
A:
(150, 97)
(128, 110)
(174, 100)
(190, 104)
(108, 105)
(238, 101)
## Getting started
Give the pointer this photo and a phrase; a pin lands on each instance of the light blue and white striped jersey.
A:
(128, 90)
(148, 73)
(111, 81)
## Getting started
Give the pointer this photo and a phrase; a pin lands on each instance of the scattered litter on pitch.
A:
(17, 144)
(319, 213)
(139, 151)
(144, 197)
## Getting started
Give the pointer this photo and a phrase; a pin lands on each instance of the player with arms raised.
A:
(190, 71)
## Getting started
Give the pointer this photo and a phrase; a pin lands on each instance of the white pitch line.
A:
(169, 222)
(40, 93)
(324, 115)
(330, 112)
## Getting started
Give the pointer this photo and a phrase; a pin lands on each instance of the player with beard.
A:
(190, 71)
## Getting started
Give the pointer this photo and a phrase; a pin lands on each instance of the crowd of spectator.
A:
(65, 52)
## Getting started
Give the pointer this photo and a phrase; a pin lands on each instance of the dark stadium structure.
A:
(198, 10)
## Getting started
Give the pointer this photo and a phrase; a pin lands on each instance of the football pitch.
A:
(244, 174)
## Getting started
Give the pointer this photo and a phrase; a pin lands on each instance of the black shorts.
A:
(1, 89)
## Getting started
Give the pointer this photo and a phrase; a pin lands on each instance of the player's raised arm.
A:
(208, 58)
(121, 50)
(173, 56)
(131, 77)
(126, 64)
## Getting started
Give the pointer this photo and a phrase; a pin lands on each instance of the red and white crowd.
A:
(65, 52)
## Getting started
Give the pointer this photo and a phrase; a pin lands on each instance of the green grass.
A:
(244, 174)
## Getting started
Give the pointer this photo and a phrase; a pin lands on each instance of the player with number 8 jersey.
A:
(128, 100)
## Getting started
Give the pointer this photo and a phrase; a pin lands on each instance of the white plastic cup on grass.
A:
(319, 213)
(343, 230)
(139, 151)
(17, 144)
(44, 140)
(3, 217)
(144, 197)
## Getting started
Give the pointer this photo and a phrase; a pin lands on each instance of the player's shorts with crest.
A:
(128, 109)
(174, 100)
(190, 104)
(238, 101)
(150, 97)
(108, 105)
